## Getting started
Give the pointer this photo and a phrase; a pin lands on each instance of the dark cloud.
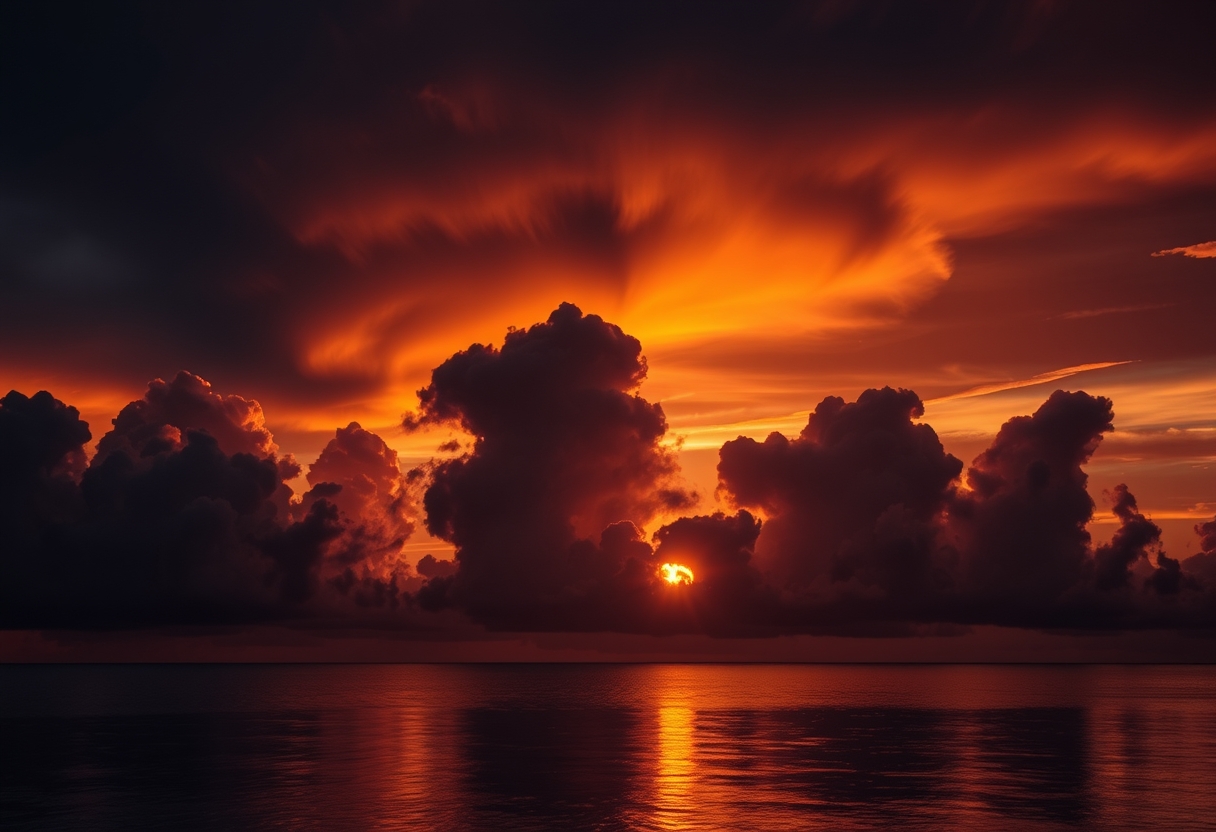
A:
(432, 567)
(564, 449)
(1023, 522)
(866, 525)
(728, 595)
(1132, 542)
(158, 423)
(855, 499)
(180, 516)
(173, 537)
(1203, 564)
(860, 524)
(41, 457)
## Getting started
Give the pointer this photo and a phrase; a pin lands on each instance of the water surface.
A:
(650, 747)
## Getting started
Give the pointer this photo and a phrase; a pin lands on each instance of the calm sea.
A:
(568, 747)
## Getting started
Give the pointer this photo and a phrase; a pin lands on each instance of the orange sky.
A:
(810, 200)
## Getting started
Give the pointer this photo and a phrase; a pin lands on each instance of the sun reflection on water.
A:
(676, 769)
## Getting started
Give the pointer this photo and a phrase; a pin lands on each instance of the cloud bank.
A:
(183, 515)
(564, 504)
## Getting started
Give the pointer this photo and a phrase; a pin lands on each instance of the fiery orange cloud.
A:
(685, 230)
(1199, 250)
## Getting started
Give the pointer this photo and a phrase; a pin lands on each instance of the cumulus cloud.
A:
(1022, 524)
(1199, 250)
(359, 475)
(867, 524)
(175, 537)
(564, 448)
(855, 498)
(159, 421)
(41, 458)
(1203, 564)
(861, 523)
(180, 516)
(729, 595)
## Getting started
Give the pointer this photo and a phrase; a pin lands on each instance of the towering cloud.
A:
(1022, 524)
(172, 533)
(855, 499)
(563, 449)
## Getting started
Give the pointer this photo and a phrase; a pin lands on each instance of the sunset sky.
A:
(555, 259)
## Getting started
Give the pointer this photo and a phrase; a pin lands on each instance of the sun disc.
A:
(676, 573)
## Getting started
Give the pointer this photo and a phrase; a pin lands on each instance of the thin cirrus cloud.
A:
(704, 436)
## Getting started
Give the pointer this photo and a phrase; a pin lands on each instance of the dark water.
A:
(607, 747)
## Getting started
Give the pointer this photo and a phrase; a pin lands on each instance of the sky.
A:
(432, 330)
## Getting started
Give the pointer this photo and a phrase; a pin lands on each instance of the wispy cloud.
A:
(1112, 310)
(1041, 378)
(1199, 250)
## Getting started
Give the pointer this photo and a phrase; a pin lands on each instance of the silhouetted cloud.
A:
(856, 498)
(866, 523)
(859, 524)
(171, 537)
(1022, 524)
(563, 450)
(729, 595)
(41, 458)
(1203, 564)
(1133, 539)
(182, 514)
(431, 567)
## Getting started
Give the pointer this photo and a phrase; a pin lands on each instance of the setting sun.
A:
(675, 573)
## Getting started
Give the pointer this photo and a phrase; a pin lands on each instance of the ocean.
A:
(607, 747)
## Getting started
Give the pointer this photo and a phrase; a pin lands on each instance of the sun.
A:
(676, 573)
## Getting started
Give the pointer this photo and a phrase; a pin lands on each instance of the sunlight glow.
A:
(675, 573)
